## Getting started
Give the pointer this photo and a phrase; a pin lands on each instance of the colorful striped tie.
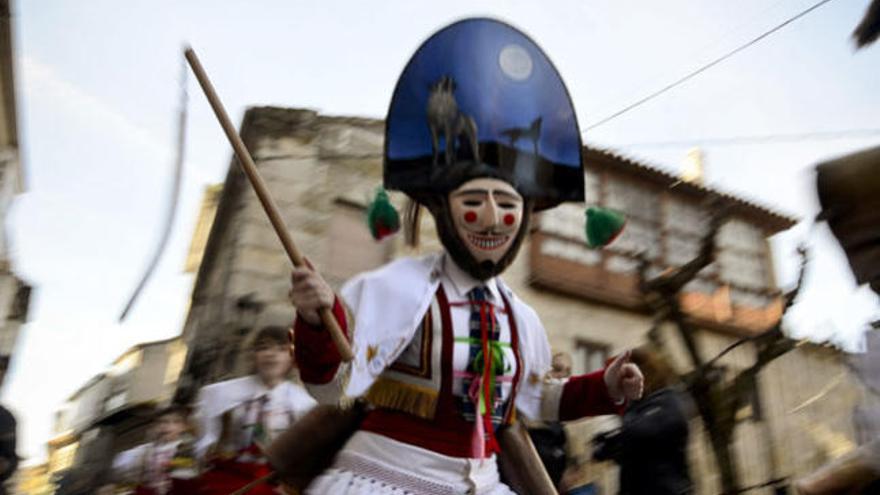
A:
(486, 362)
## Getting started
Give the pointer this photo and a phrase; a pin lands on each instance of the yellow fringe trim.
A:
(413, 399)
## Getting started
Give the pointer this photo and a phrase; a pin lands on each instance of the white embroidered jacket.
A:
(386, 307)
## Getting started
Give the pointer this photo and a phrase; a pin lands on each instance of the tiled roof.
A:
(775, 220)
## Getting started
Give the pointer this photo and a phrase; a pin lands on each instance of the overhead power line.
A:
(706, 67)
(757, 139)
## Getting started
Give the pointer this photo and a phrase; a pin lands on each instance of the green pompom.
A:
(382, 217)
(603, 226)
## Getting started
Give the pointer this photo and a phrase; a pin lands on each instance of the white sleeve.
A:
(333, 391)
(300, 401)
(207, 417)
(127, 465)
(531, 399)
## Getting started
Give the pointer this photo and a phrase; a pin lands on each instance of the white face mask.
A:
(487, 214)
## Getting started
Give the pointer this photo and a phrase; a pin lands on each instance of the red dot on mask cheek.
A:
(470, 217)
(509, 219)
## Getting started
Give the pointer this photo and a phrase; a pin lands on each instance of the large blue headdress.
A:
(479, 98)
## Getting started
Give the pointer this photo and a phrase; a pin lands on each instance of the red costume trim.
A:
(314, 350)
(425, 357)
(225, 477)
(448, 433)
(587, 395)
(514, 344)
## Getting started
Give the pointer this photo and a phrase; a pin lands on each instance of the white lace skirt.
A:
(375, 464)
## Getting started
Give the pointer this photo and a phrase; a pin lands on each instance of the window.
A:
(740, 235)
(63, 458)
(127, 362)
(63, 417)
(8, 336)
(176, 359)
(702, 285)
(579, 253)
(634, 199)
(622, 264)
(566, 220)
(684, 224)
(665, 225)
(210, 201)
(592, 182)
(685, 217)
(641, 204)
(742, 261)
(115, 401)
(638, 236)
(588, 357)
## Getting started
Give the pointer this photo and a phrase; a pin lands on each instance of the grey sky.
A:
(98, 89)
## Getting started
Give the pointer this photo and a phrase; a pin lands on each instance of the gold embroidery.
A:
(406, 397)
(423, 370)
(371, 352)
(534, 379)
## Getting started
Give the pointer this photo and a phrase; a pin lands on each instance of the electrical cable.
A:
(756, 139)
(705, 67)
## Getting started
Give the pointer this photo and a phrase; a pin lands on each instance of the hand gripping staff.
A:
(250, 170)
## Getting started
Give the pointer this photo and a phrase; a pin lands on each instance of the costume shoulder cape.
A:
(386, 306)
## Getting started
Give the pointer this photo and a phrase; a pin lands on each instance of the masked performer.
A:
(482, 132)
(239, 418)
(162, 467)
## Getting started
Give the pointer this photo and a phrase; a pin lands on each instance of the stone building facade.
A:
(323, 171)
(111, 413)
(14, 292)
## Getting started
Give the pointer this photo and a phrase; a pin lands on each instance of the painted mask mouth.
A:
(487, 242)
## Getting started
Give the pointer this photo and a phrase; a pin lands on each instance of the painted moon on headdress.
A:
(515, 62)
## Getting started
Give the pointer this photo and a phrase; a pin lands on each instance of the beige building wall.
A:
(113, 410)
(156, 376)
(300, 155)
(33, 480)
(14, 293)
(808, 394)
(88, 403)
(322, 170)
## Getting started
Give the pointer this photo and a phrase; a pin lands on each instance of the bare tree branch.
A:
(791, 295)
(774, 332)
(717, 401)
(672, 282)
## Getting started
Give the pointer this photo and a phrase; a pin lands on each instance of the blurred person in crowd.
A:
(91, 471)
(549, 437)
(569, 468)
(164, 466)
(239, 418)
(651, 445)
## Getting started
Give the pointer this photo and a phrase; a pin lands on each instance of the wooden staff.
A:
(520, 463)
(247, 164)
(253, 484)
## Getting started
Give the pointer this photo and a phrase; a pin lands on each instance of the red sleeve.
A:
(314, 350)
(587, 395)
